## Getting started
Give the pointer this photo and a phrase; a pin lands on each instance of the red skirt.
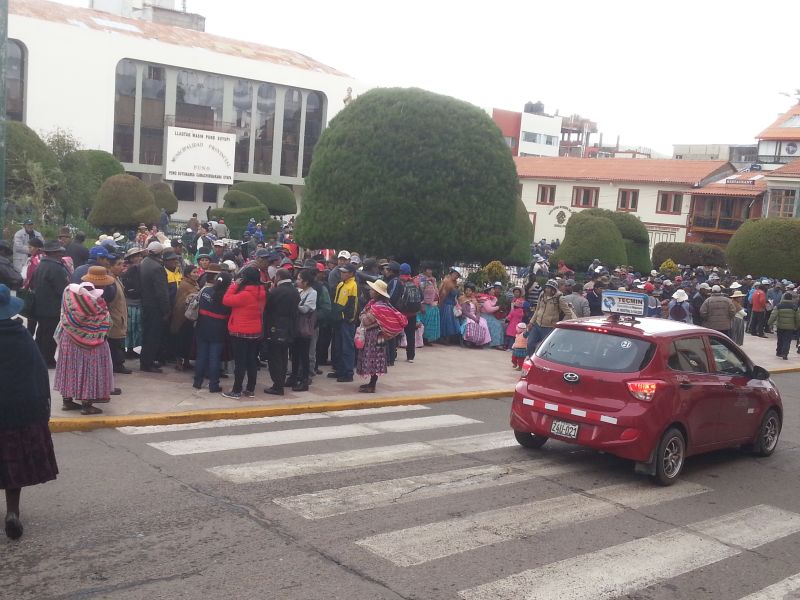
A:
(26, 456)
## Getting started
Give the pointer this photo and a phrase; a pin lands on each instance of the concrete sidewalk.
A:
(439, 373)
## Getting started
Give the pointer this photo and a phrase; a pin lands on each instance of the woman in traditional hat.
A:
(131, 281)
(429, 313)
(84, 370)
(737, 322)
(476, 332)
(181, 328)
(26, 448)
(449, 312)
(381, 322)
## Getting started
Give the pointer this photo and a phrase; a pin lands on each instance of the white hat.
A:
(230, 264)
(219, 243)
(704, 286)
(653, 272)
(735, 285)
(344, 254)
(667, 282)
(680, 296)
(188, 230)
(155, 248)
(765, 282)
(716, 289)
(790, 286)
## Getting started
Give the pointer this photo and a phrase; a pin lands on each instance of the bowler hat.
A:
(53, 246)
(98, 276)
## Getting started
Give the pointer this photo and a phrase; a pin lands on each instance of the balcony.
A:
(200, 122)
(716, 224)
(776, 160)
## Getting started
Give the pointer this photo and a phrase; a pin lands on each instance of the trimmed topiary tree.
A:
(634, 233)
(522, 234)
(164, 198)
(84, 173)
(278, 199)
(32, 174)
(123, 201)
(238, 199)
(412, 174)
(766, 247)
(587, 237)
(237, 211)
(686, 253)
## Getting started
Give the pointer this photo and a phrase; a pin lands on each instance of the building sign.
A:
(196, 155)
(740, 181)
(624, 303)
(563, 213)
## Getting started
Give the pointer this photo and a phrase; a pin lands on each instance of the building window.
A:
(510, 141)
(198, 100)
(670, 203)
(628, 200)
(210, 193)
(290, 145)
(15, 81)
(533, 138)
(313, 128)
(546, 195)
(781, 203)
(584, 197)
(183, 190)
(265, 129)
(124, 108)
(151, 144)
(243, 108)
(551, 140)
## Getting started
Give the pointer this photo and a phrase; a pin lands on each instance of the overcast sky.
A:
(654, 72)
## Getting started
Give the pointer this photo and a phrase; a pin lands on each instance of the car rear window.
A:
(596, 351)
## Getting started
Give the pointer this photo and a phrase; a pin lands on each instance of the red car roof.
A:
(643, 327)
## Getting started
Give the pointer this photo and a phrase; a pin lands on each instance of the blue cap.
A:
(9, 305)
(99, 252)
(405, 269)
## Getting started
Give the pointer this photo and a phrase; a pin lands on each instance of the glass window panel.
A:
(183, 190)
(199, 100)
(265, 129)
(243, 107)
(313, 128)
(124, 104)
(15, 81)
(290, 145)
(210, 193)
(151, 144)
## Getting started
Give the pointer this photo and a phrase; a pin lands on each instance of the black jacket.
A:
(131, 280)
(49, 281)
(9, 275)
(78, 253)
(24, 386)
(281, 311)
(154, 287)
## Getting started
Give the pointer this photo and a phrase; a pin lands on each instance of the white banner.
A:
(196, 155)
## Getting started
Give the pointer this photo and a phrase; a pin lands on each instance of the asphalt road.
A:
(432, 503)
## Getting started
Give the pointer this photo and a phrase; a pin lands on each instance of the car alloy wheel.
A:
(670, 456)
(768, 433)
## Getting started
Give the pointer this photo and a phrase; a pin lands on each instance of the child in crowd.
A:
(520, 348)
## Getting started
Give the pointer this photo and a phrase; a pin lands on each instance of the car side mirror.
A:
(760, 373)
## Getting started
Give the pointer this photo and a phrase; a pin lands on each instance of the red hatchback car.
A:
(654, 391)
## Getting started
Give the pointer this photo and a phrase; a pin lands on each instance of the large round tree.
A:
(411, 174)
(766, 247)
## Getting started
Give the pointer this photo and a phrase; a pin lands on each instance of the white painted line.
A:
(147, 429)
(605, 419)
(269, 470)
(783, 590)
(626, 568)
(311, 434)
(578, 412)
(339, 501)
(359, 412)
(417, 545)
(549, 406)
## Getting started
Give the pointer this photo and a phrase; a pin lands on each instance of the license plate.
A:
(564, 429)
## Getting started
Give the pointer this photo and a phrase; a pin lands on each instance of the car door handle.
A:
(729, 386)
(685, 385)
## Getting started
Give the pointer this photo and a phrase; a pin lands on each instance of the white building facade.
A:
(539, 135)
(120, 84)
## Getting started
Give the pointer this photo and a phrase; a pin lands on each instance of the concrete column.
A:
(302, 140)
(253, 129)
(277, 142)
(137, 114)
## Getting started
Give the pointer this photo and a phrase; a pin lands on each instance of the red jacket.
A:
(759, 301)
(247, 308)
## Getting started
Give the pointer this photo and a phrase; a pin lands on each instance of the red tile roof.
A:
(730, 187)
(102, 21)
(791, 169)
(779, 130)
(633, 170)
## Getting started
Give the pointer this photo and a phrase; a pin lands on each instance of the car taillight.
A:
(643, 390)
(526, 367)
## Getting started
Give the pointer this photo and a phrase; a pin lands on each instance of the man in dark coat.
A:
(8, 274)
(156, 309)
(49, 281)
(281, 321)
(77, 251)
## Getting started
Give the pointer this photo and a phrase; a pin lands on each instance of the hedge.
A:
(522, 234)
(588, 237)
(123, 201)
(766, 247)
(686, 253)
(23, 147)
(278, 199)
(237, 218)
(164, 198)
(238, 199)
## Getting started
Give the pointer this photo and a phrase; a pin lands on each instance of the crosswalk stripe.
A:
(296, 436)
(417, 545)
(783, 590)
(631, 566)
(339, 501)
(268, 470)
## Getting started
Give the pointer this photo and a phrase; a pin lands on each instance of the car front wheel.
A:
(768, 433)
(670, 454)
(530, 440)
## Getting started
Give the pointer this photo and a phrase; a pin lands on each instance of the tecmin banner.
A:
(624, 303)
(196, 155)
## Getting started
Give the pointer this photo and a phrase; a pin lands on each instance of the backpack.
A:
(678, 312)
(410, 300)
(192, 307)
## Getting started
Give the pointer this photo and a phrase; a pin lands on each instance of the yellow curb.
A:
(61, 425)
(784, 370)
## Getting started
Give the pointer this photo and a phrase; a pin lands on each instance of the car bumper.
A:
(615, 434)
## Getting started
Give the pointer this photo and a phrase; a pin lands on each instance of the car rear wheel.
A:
(768, 433)
(530, 440)
(670, 454)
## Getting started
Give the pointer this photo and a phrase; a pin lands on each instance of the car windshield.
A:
(596, 351)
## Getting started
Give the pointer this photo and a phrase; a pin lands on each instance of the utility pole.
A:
(3, 66)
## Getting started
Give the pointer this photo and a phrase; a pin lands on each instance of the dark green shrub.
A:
(102, 164)
(588, 237)
(278, 199)
(273, 226)
(84, 173)
(123, 201)
(238, 199)
(164, 198)
(411, 173)
(633, 231)
(32, 174)
(766, 247)
(686, 253)
(237, 218)
(638, 255)
(522, 234)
